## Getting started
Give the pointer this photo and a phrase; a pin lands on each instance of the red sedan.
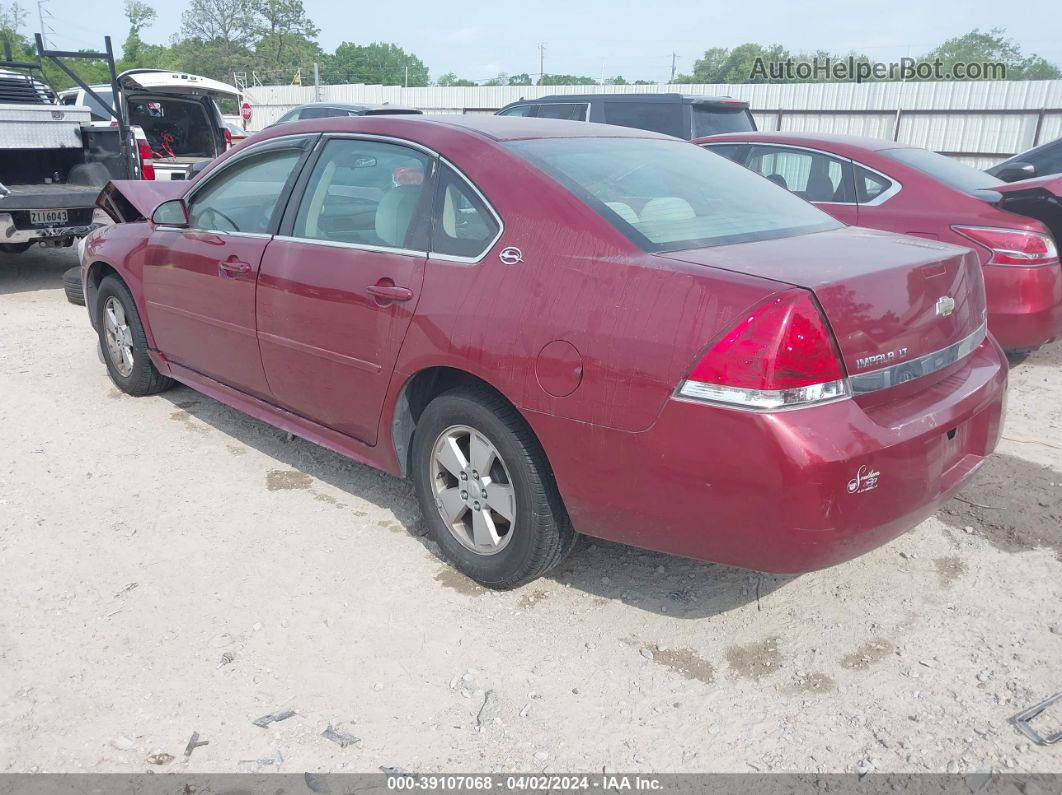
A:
(1014, 228)
(558, 327)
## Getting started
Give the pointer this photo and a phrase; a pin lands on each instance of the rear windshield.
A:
(950, 172)
(668, 195)
(715, 120)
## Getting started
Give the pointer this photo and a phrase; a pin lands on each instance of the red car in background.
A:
(1014, 228)
(556, 327)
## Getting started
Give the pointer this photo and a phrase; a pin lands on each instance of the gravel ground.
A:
(170, 566)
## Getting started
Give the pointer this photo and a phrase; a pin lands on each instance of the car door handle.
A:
(389, 292)
(234, 266)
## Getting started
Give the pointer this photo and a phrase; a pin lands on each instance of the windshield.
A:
(715, 120)
(668, 195)
(951, 172)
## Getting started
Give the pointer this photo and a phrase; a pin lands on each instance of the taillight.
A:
(147, 160)
(1012, 246)
(228, 137)
(780, 354)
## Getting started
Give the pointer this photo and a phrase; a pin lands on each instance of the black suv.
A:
(672, 114)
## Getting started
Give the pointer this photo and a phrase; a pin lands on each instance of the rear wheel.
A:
(123, 342)
(486, 490)
(75, 293)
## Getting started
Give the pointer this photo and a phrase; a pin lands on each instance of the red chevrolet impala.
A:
(1014, 228)
(557, 327)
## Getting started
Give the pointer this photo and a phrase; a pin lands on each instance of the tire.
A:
(140, 376)
(540, 534)
(75, 293)
(14, 248)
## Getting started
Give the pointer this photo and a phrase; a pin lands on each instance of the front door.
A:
(338, 287)
(199, 282)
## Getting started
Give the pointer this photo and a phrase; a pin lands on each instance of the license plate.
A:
(48, 217)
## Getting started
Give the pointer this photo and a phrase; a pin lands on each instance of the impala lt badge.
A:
(880, 358)
(945, 305)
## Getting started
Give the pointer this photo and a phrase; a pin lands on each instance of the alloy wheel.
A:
(119, 337)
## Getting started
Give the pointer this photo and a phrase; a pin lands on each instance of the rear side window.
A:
(667, 195)
(716, 120)
(813, 176)
(661, 117)
(363, 192)
(243, 197)
(729, 151)
(98, 111)
(319, 113)
(1049, 161)
(462, 225)
(869, 185)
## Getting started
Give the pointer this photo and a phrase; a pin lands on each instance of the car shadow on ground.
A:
(35, 269)
(608, 572)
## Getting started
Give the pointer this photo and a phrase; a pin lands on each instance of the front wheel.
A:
(486, 490)
(123, 342)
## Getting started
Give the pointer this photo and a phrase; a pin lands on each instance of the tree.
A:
(566, 80)
(286, 33)
(993, 46)
(378, 62)
(522, 79)
(218, 36)
(451, 79)
(12, 18)
(140, 16)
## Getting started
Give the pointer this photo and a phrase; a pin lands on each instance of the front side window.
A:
(661, 117)
(244, 196)
(814, 176)
(462, 225)
(516, 110)
(319, 113)
(729, 151)
(365, 193)
(667, 195)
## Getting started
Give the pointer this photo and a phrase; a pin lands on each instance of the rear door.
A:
(199, 282)
(339, 285)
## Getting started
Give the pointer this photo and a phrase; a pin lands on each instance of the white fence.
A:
(979, 122)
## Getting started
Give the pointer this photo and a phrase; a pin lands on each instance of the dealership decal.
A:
(866, 479)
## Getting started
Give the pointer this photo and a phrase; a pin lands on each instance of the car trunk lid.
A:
(166, 82)
(1039, 198)
(889, 299)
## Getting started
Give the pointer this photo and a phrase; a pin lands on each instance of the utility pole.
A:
(41, 13)
(405, 80)
(316, 82)
(674, 62)
(541, 61)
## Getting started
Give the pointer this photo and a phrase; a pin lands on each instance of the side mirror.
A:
(172, 213)
(1015, 171)
(197, 168)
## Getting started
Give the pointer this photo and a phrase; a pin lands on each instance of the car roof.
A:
(834, 143)
(672, 97)
(483, 125)
(355, 106)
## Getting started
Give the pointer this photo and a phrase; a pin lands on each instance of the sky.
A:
(477, 39)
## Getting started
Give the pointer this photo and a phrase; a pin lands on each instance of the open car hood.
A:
(128, 200)
(1052, 183)
(166, 82)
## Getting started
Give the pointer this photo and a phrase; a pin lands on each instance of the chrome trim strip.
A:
(862, 383)
(356, 246)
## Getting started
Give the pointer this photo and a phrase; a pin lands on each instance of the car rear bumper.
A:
(13, 232)
(786, 491)
(1024, 305)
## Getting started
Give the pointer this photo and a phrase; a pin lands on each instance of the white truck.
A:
(53, 161)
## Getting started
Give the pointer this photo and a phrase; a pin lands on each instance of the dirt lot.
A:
(168, 565)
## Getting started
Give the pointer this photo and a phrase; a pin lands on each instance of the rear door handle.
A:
(234, 266)
(389, 292)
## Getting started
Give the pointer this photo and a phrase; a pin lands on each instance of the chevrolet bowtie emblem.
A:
(945, 305)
